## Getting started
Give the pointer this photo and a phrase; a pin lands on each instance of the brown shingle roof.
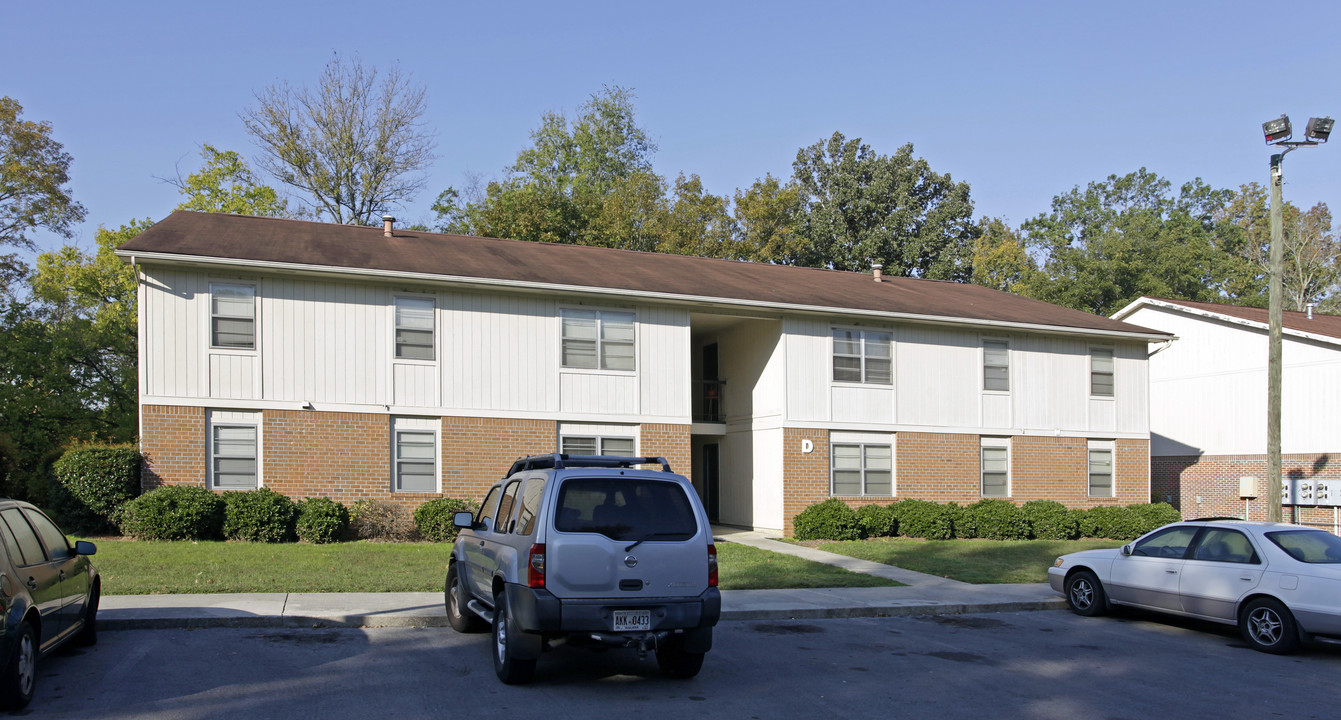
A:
(1328, 325)
(336, 247)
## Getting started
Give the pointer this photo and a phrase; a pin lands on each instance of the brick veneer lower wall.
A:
(343, 456)
(673, 442)
(1215, 478)
(944, 467)
(477, 452)
(172, 440)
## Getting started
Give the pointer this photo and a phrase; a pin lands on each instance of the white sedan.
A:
(1280, 583)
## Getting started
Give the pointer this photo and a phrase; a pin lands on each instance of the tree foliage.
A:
(34, 173)
(1104, 246)
(355, 144)
(859, 207)
(1312, 253)
(225, 184)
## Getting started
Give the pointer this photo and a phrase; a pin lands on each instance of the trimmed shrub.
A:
(1051, 520)
(1149, 516)
(993, 519)
(926, 519)
(93, 483)
(433, 519)
(321, 520)
(381, 520)
(877, 521)
(174, 512)
(828, 520)
(261, 515)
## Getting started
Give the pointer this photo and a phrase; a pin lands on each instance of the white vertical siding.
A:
(500, 352)
(325, 342)
(234, 377)
(766, 479)
(598, 394)
(663, 362)
(173, 333)
(937, 376)
(863, 404)
(808, 346)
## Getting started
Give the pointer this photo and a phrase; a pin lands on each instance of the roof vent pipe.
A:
(1310, 310)
(878, 270)
(387, 222)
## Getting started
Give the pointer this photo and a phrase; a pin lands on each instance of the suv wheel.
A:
(676, 662)
(510, 669)
(20, 676)
(460, 617)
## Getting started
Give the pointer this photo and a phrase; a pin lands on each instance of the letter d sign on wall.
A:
(807, 446)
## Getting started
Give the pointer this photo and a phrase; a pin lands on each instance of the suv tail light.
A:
(535, 567)
(712, 566)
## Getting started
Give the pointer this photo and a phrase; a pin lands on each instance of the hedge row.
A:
(194, 513)
(991, 518)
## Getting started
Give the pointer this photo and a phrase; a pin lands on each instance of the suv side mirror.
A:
(84, 547)
(464, 520)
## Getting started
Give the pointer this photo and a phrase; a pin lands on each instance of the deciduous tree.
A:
(224, 183)
(354, 145)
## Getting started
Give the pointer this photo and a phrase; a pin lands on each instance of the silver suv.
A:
(587, 549)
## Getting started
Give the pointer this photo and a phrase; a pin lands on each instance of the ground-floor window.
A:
(995, 467)
(861, 469)
(415, 454)
(1101, 468)
(234, 447)
(590, 439)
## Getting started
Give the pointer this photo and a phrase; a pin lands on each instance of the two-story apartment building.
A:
(355, 362)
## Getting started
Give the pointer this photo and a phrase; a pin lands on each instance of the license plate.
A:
(633, 620)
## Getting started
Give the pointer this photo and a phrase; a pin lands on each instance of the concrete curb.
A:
(392, 620)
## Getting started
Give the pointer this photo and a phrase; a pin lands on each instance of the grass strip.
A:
(973, 561)
(134, 567)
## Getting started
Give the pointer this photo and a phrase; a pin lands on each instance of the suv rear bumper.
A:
(538, 611)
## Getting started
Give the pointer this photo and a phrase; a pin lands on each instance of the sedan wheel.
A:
(1085, 594)
(20, 678)
(1267, 625)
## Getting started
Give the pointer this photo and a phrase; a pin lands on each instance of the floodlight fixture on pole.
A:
(1278, 132)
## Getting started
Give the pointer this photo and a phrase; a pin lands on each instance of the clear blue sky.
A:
(1022, 100)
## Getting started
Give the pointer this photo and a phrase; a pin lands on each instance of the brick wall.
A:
(343, 456)
(944, 467)
(477, 452)
(673, 442)
(1215, 479)
(173, 443)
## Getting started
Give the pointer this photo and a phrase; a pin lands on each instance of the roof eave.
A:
(135, 256)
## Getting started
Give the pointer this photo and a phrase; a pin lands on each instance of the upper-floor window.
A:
(1101, 372)
(233, 316)
(861, 469)
(414, 328)
(995, 460)
(598, 339)
(995, 365)
(862, 356)
(1101, 468)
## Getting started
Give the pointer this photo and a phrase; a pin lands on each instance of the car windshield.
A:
(626, 509)
(1310, 546)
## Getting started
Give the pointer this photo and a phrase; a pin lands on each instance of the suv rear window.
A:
(625, 509)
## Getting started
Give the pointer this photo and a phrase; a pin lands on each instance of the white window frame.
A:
(211, 316)
(418, 426)
(221, 419)
(395, 327)
(598, 435)
(599, 341)
(1002, 342)
(1112, 371)
(993, 443)
(864, 441)
(863, 356)
(1100, 446)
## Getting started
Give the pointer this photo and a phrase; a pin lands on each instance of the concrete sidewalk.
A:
(921, 595)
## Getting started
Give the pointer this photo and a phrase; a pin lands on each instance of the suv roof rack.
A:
(1213, 519)
(561, 460)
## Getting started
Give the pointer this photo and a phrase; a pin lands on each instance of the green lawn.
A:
(974, 561)
(133, 567)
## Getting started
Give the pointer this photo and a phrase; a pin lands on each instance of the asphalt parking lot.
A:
(1049, 664)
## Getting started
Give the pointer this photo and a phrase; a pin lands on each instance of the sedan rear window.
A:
(626, 509)
(1310, 546)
